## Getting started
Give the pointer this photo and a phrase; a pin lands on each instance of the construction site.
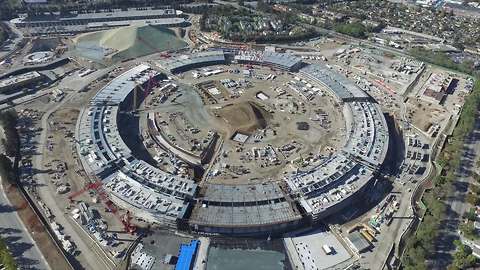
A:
(128, 142)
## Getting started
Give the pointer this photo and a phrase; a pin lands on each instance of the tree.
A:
(6, 169)
(475, 188)
(463, 257)
(418, 247)
(472, 199)
(356, 29)
(443, 59)
(470, 214)
(8, 119)
(415, 257)
(263, 7)
(468, 230)
(6, 257)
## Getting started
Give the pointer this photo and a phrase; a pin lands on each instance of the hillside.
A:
(127, 42)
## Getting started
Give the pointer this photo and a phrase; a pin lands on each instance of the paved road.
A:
(77, 83)
(202, 254)
(456, 205)
(15, 234)
(390, 235)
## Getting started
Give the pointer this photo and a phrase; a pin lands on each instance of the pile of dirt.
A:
(245, 117)
(128, 42)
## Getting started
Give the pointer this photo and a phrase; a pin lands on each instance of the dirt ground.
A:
(243, 117)
(424, 115)
(62, 129)
(271, 123)
(65, 168)
(62, 126)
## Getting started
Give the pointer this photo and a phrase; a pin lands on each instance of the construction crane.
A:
(151, 83)
(97, 186)
(90, 186)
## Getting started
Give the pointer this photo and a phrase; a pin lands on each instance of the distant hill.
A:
(128, 42)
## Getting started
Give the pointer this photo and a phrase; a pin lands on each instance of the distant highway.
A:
(15, 234)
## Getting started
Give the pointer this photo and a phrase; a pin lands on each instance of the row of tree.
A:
(420, 246)
(356, 29)
(11, 142)
(463, 257)
(279, 38)
(8, 120)
(7, 171)
(442, 59)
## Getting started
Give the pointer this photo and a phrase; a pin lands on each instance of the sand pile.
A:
(127, 42)
(119, 39)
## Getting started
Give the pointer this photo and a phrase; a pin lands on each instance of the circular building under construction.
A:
(243, 143)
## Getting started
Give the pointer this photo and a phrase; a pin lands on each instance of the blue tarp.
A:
(186, 255)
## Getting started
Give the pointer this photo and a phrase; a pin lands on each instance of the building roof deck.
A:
(25, 77)
(340, 86)
(118, 89)
(130, 14)
(369, 137)
(187, 61)
(140, 196)
(242, 193)
(285, 60)
(244, 216)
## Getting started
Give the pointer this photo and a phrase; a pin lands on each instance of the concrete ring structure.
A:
(38, 57)
(298, 198)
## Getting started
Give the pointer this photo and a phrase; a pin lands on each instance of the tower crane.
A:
(97, 186)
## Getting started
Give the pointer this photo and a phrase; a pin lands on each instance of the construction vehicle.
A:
(164, 55)
(366, 235)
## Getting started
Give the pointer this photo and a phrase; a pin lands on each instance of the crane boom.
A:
(97, 185)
